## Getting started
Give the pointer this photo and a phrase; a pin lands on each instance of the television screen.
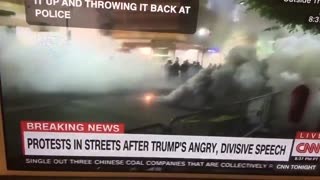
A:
(166, 86)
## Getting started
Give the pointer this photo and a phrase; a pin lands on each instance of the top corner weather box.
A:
(169, 86)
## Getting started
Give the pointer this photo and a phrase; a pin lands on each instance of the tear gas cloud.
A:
(257, 61)
(72, 66)
(239, 78)
(294, 61)
(233, 25)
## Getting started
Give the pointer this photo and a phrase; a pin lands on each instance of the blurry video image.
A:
(243, 73)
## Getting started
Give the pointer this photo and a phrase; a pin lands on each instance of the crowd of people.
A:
(185, 70)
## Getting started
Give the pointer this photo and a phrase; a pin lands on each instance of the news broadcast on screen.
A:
(161, 86)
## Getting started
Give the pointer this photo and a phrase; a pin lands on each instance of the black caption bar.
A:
(176, 16)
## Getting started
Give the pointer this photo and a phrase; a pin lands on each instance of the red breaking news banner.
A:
(74, 127)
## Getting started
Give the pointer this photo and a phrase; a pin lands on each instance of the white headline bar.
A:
(155, 146)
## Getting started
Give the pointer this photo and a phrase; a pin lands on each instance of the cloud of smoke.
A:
(233, 25)
(73, 66)
(276, 59)
(294, 62)
(241, 73)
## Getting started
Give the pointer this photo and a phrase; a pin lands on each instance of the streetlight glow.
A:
(202, 32)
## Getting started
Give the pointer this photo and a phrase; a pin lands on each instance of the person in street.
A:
(192, 69)
(184, 70)
(167, 68)
(198, 67)
(175, 68)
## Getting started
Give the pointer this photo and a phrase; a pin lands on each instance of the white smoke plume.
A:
(73, 67)
(294, 62)
(241, 73)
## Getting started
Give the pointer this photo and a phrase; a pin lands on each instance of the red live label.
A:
(76, 127)
(308, 135)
